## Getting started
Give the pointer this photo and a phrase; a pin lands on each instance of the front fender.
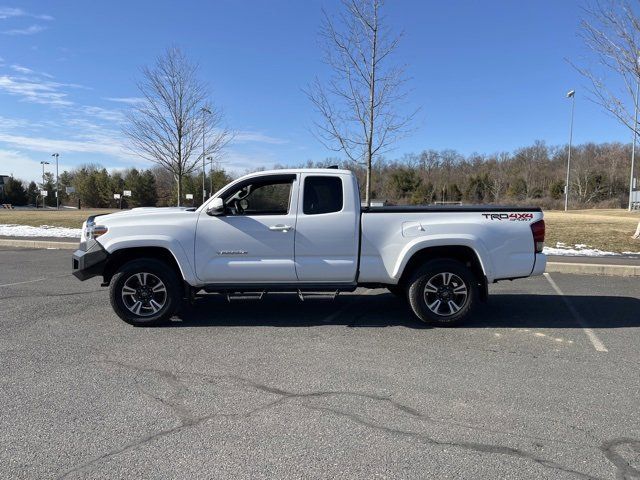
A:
(460, 240)
(112, 245)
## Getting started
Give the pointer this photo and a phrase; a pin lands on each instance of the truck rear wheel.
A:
(443, 292)
(145, 292)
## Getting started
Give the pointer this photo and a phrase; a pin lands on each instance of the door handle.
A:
(280, 228)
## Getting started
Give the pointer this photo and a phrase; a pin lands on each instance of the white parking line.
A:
(21, 283)
(593, 338)
(33, 281)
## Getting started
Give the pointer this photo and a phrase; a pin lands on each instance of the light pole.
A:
(572, 95)
(210, 176)
(57, 182)
(633, 145)
(43, 163)
(204, 110)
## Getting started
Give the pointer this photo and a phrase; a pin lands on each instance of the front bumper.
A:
(89, 260)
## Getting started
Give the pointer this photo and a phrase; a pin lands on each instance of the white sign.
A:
(116, 196)
(189, 196)
(127, 193)
(70, 190)
(44, 193)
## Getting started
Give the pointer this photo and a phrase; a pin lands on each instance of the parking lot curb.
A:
(594, 269)
(7, 242)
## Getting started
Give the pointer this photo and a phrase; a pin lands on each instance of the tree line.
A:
(92, 186)
(534, 175)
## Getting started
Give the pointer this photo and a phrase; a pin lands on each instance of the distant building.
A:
(3, 180)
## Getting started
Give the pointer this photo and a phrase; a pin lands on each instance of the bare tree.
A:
(358, 104)
(168, 127)
(612, 31)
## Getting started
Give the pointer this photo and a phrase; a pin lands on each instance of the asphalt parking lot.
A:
(543, 383)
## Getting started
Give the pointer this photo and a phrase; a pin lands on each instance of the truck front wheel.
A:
(145, 292)
(443, 292)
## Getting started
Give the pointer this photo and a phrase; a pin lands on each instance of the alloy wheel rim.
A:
(144, 294)
(445, 294)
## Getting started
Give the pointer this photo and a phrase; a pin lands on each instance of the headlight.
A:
(92, 231)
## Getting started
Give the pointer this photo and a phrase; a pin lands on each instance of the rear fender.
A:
(422, 243)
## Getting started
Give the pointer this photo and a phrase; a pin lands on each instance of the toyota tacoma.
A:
(304, 230)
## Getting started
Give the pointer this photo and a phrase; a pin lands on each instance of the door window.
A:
(322, 195)
(260, 198)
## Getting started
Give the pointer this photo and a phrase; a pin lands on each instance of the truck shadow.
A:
(386, 310)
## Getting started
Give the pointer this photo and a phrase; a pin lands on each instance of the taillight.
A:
(537, 228)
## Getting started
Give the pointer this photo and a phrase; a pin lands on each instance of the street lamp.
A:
(572, 95)
(204, 111)
(57, 182)
(210, 175)
(43, 163)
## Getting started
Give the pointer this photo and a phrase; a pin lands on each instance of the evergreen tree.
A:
(14, 192)
(50, 186)
(147, 194)
(32, 193)
(66, 180)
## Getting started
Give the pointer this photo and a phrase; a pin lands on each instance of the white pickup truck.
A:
(303, 230)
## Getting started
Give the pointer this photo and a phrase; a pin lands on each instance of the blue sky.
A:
(489, 76)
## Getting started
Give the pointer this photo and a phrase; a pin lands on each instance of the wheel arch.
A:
(462, 253)
(124, 255)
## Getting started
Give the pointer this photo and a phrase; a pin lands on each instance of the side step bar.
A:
(260, 295)
(261, 288)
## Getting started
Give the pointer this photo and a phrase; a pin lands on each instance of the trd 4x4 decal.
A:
(512, 217)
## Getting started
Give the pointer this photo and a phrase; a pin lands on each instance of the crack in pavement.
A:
(624, 469)
(470, 446)
(187, 419)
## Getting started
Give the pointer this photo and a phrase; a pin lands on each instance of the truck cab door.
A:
(253, 240)
(327, 229)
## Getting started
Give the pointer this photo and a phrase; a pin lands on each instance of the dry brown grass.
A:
(608, 230)
(55, 218)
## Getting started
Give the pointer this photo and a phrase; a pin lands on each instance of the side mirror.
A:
(216, 208)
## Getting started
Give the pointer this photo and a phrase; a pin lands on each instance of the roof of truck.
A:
(282, 171)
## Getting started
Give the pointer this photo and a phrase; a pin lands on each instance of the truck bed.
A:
(448, 208)
(500, 237)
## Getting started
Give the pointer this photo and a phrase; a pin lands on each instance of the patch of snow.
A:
(574, 252)
(579, 249)
(12, 230)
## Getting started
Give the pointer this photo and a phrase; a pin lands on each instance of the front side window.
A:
(322, 195)
(261, 198)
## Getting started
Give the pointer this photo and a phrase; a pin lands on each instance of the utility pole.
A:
(57, 183)
(43, 163)
(204, 111)
(572, 95)
(210, 175)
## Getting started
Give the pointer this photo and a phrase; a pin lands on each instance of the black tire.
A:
(156, 275)
(429, 285)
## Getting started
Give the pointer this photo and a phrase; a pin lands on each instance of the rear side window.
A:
(322, 195)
